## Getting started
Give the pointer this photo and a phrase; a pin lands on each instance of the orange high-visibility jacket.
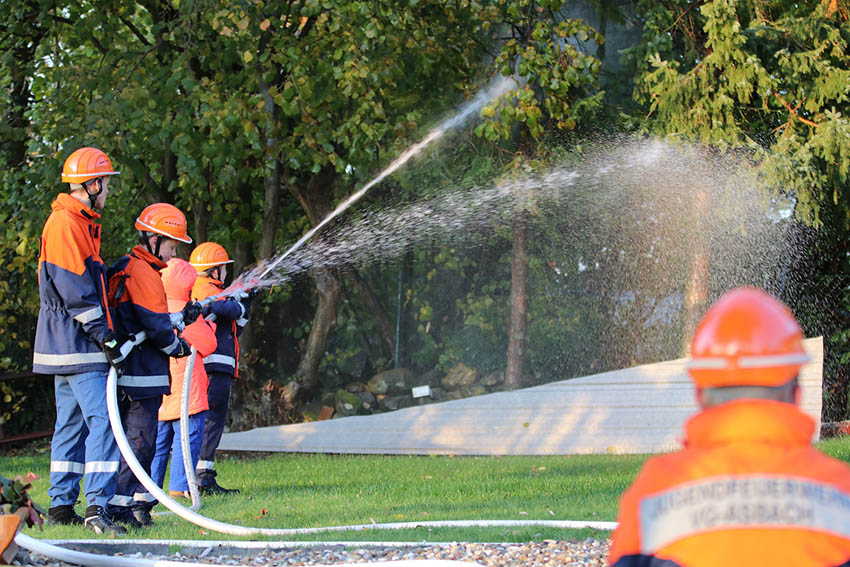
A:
(747, 489)
(136, 288)
(73, 319)
(231, 317)
(177, 279)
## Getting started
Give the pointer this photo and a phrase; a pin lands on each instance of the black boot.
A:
(143, 517)
(212, 488)
(99, 522)
(63, 515)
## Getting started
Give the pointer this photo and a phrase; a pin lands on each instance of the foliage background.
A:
(257, 118)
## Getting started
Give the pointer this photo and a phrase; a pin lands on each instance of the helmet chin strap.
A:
(155, 250)
(93, 196)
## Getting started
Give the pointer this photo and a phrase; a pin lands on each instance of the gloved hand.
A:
(112, 350)
(247, 297)
(191, 312)
(183, 350)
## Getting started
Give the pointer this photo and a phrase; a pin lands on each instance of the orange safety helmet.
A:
(208, 255)
(164, 219)
(747, 338)
(86, 164)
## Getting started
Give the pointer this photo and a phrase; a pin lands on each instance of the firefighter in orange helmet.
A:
(210, 260)
(75, 343)
(137, 296)
(747, 488)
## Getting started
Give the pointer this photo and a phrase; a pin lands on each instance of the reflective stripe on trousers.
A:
(83, 443)
(140, 419)
(218, 396)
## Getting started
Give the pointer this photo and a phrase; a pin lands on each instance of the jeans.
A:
(168, 441)
(83, 443)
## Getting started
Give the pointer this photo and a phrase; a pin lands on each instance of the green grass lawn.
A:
(295, 491)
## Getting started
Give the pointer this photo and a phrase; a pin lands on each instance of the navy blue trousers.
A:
(218, 395)
(140, 425)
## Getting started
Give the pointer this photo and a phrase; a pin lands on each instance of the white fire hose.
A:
(81, 558)
(188, 466)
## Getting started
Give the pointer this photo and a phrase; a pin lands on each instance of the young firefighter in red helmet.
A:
(138, 298)
(210, 260)
(74, 342)
(747, 488)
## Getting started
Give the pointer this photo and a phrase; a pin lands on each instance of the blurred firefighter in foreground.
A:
(210, 260)
(747, 488)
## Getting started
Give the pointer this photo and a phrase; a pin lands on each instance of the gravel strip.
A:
(589, 552)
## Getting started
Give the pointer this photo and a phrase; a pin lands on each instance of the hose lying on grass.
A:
(222, 527)
(81, 558)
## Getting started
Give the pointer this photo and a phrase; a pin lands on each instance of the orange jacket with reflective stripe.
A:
(73, 318)
(747, 489)
(231, 316)
(142, 306)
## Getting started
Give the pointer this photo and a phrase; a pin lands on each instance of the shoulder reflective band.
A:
(721, 503)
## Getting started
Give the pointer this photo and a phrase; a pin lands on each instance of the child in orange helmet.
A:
(138, 298)
(178, 279)
(211, 260)
(747, 488)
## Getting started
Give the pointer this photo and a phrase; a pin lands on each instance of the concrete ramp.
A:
(635, 410)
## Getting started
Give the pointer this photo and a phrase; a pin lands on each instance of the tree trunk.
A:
(324, 322)
(517, 338)
(15, 131)
(317, 200)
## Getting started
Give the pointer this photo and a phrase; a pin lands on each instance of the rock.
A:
(388, 403)
(368, 400)
(493, 379)
(437, 394)
(459, 375)
(328, 399)
(454, 395)
(473, 390)
(357, 365)
(346, 403)
(391, 403)
(310, 412)
(395, 381)
(356, 387)
(431, 378)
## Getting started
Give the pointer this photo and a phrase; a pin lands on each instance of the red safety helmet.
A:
(747, 338)
(85, 164)
(208, 255)
(164, 219)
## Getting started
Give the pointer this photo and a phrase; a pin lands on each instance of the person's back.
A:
(748, 488)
